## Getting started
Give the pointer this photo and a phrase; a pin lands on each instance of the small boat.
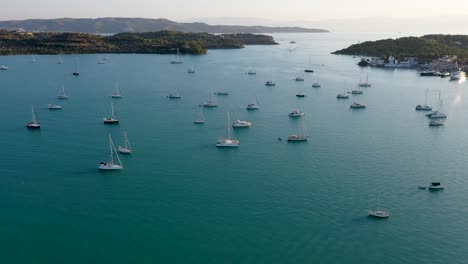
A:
(174, 96)
(110, 165)
(33, 59)
(177, 59)
(297, 138)
(296, 113)
(201, 118)
(112, 119)
(457, 76)
(357, 92)
(270, 83)
(100, 60)
(292, 42)
(344, 95)
(424, 107)
(300, 95)
(429, 73)
(252, 72)
(365, 84)
(357, 106)
(435, 186)
(444, 74)
(436, 123)
(309, 68)
(229, 141)
(59, 60)
(222, 93)
(3, 68)
(212, 102)
(191, 70)
(299, 79)
(76, 72)
(240, 123)
(62, 95)
(436, 114)
(34, 124)
(126, 148)
(116, 93)
(302, 135)
(54, 107)
(253, 106)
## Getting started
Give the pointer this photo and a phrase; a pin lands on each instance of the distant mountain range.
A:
(117, 25)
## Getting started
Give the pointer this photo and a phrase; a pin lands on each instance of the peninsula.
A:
(121, 24)
(161, 42)
(424, 49)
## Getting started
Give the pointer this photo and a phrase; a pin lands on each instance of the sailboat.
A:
(62, 95)
(424, 107)
(344, 95)
(378, 213)
(177, 59)
(270, 82)
(60, 60)
(253, 106)
(54, 107)
(366, 84)
(126, 149)
(299, 78)
(76, 72)
(174, 95)
(34, 124)
(317, 83)
(229, 141)
(110, 165)
(33, 59)
(191, 70)
(212, 102)
(201, 118)
(309, 68)
(111, 120)
(301, 136)
(251, 72)
(116, 94)
(438, 113)
(100, 60)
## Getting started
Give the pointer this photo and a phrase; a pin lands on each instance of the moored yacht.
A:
(458, 75)
(240, 123)
(378, 213)
(126, 148)
(110, 165)
(253, 106)
(270, 83)
(34, 124)
(300, 95)
(3, 68)
(299, 79)
(177, 59)
(357, 106)
(296, 113)
(436, 186)
(54, 107)
(357, 92)
(229, 141)
(112, 119)
(424, 107)
(62, 95)
(212, 102)
(116, 93)
(439, 122)
(191, 70)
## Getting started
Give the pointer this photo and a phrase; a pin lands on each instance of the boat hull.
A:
(109, 167)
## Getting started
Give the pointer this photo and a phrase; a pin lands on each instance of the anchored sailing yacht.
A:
(438, 113)
(316, 84)
(62, 95)
(191, 70)
(110, 165)
(126, 149)
(60, 60)
(116, 94)
(54, 107)
(177, 59)
(378, 213)
(309, 68)
(301, 136)
(229, 141)
(296, 113)
(34, 124)
(33, 59)
(251, 72)
(76, 72)
(253, 106)
(424, 107)
(111, 120)
(344, 95)
(100, 60)
(201, 118)
(366, 84)
(212, 102)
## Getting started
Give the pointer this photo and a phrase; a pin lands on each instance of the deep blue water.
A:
(181, 200)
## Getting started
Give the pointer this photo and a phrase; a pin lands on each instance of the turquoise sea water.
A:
(181, 200)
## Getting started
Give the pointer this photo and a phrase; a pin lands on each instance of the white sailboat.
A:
(251, 72)
(344, 95)
(3, 68)
(378, 213)
(59, 60)
(439, 114)
(212, 102)
(54, 107)
(365, 84)
(33, 59)
(309, 68)
(317, 83)
(100, 60)
(191, 70)
(62, 95)
(110, 165)
(177, 59)
(229, 141)
(116, 93)
(201, 118)
(126, 148)
(112, 119)
(253, 106)
(34, 124)
(76, 72)
(424, 107)
(301, 136)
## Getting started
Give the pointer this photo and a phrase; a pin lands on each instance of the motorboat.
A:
(296, 113)
(240, 123)
(357, 106)
(270, 83)
(378, 214)
(229, 141)
(435, 186)
(54, 107)
(436, 123)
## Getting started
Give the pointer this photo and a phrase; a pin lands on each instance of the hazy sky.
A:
(269, 9)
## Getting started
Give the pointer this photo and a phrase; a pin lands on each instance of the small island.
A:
(423, 49)
(161, 42)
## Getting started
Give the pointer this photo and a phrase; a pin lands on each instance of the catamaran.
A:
(177, 59)
(365, 84)
(125, 149)
(76, 72)
(34, 124)
(229, 141)
(62, 95)
(111, 120)
(424, 107)
(116, 94)
(110, 165)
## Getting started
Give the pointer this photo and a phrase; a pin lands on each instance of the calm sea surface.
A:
(181, 200)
